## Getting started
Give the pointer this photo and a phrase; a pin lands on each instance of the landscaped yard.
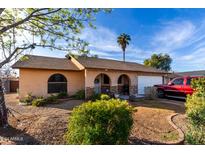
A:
(47, 125)
(151, 123)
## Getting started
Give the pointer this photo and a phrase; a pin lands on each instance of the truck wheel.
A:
(160, 93)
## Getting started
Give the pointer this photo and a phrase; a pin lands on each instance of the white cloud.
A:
(173, 35)
(101, 38)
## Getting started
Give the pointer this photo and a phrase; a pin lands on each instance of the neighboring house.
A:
(192, 73)
(10, 84)
(181, 74)
(42, 76)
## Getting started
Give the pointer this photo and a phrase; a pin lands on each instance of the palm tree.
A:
(123, 40)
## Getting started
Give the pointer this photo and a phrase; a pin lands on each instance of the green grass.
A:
(171, 136)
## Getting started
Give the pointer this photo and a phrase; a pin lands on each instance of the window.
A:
(179, 81)
(106, 79)
(188, 82)
(57, 83)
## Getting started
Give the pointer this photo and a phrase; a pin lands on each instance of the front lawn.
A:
(150, 121)
(46, 125)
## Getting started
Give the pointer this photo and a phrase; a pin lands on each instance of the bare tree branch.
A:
(33, 14)
(1, 10)
(8, 59)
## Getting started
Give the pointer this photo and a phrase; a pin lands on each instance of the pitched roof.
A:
(40, 62)
(192, 73)
(91, 62)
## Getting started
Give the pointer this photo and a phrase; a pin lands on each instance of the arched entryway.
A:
(123, 85)
(102, 84)
(57, 83)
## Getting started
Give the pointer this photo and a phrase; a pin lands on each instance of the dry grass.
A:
(150, 121)
(46, 125)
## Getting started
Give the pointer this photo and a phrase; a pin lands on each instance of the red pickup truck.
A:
(178, 87)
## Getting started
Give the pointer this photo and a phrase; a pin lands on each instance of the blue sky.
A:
(178, 32)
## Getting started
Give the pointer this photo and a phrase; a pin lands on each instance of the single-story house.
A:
(181, 74)
(192, 73)
(43, 76)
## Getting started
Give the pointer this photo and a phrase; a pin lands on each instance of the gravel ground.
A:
(150, 121)
(37, 125)
(47, 125)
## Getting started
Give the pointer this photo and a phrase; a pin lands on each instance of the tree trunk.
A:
(3, 109)
(124, 55)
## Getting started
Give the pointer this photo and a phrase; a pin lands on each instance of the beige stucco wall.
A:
(35, 81)
(91, 74)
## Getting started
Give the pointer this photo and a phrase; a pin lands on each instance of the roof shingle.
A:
(91, 62)
(40, 62)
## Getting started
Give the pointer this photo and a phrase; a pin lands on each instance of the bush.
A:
(51, 99)
(62, 95)
(28, 99)
(195, 110)
(38, 102)
(80, 94)
(195, 135)
(198, 84)
(100, 122)
(104, 97)
(95, 97)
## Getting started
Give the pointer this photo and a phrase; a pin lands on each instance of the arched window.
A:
(57, 83)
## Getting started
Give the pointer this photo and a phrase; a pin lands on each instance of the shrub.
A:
(62, 95)
(104, 97)
(198, 84)
(195, 110)
(38, 102)
(195, 135)
(100, 122)
(95, 97)
(28, 99)
(51, 99)
(80, 94)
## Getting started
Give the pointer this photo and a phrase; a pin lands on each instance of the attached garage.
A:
(148, 81)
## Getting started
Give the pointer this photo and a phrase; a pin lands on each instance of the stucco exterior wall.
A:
(36, 81)
(91, 74)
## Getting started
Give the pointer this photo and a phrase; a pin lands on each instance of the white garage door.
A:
(147, 81)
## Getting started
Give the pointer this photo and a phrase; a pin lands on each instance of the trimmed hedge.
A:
(100, 122)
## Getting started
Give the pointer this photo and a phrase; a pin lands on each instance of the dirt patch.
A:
(150, 121)
(47, 125)
(37, 125)
(181, 121)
